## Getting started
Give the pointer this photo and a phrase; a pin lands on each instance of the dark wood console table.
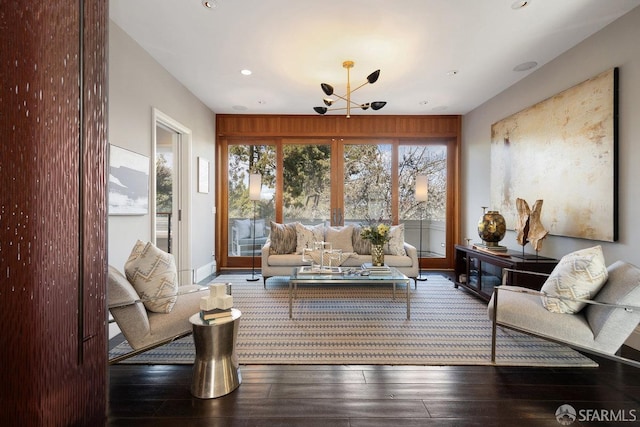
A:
(480, 271)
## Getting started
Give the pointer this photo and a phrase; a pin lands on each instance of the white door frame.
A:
(183, 261)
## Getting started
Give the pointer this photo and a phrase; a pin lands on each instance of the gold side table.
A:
(215, 369)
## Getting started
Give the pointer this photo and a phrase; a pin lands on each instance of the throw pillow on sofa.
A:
(395, 246)
(360, 246)
(307, 235)
(578, 275)
(154, 276)
(340, 237)
(283, 238)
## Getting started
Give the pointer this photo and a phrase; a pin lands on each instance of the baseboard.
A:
(204, 272)
(634, 340)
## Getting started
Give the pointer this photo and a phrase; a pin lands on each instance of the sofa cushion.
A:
(578, 275)
(154, 276)
(283, 238)
(340, 237)
(286, 260)
(395, 245)
(307, 235)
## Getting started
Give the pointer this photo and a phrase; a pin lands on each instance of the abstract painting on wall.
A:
(128, 182)
(562, 150)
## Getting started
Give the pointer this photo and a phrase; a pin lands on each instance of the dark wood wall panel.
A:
(91, 397)
(52, 213)
(330, 126)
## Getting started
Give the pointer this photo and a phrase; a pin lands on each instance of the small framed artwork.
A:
(203, 175)
(128, 182)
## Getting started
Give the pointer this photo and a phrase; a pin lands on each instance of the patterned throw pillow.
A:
(395, 246)
(307, 235)
(153, 274)
(283, 238)
(578, 275)
(340, 237)
(360, 246)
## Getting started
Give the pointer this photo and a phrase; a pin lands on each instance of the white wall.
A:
(137, 84)
(614, 46)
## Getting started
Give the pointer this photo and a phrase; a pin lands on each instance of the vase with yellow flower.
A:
(378, 235)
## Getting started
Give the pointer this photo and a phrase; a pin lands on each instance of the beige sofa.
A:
(282, 264)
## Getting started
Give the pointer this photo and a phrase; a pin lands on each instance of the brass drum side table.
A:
(215, 369)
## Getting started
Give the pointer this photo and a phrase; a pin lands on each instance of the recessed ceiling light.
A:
(423, 102)
(452, 72)
(209, 4)
(519, 4)
(245, 72)
(525, 66)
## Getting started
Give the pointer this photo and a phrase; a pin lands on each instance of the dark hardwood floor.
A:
(372, 396)
(354, 396)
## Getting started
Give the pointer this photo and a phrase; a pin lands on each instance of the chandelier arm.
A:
(347, 100)
(344, 108)
(341, 97)
(363, 84)
(336, 109)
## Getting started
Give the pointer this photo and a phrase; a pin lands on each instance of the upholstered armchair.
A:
(145, 329)
(600, 328)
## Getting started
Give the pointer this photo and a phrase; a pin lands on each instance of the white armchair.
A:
(600, 328)
(144, 329)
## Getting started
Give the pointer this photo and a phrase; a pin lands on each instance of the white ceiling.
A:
(292, 46)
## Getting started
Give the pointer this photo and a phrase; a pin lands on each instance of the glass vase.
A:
(377, 255)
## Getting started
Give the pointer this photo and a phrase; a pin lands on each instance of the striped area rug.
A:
(362, 325)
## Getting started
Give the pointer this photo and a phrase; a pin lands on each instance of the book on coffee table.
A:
(376, 269)
(371, 267)
(307, 269)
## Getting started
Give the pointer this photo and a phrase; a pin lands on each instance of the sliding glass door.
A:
(425, 221)
(336, 182)
(247, 218)
(368, 186)
(306, 181)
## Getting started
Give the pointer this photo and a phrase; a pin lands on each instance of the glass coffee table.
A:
(346, 276)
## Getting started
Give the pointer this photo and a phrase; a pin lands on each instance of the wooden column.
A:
(53, 151)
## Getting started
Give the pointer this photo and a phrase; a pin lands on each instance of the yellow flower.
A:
(377, 235)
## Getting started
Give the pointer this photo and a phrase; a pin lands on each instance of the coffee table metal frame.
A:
(347, 278)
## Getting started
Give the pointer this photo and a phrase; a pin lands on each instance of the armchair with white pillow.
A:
(148, 304)
(583, 304)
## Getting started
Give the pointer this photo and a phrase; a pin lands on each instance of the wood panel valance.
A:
(330, 126)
